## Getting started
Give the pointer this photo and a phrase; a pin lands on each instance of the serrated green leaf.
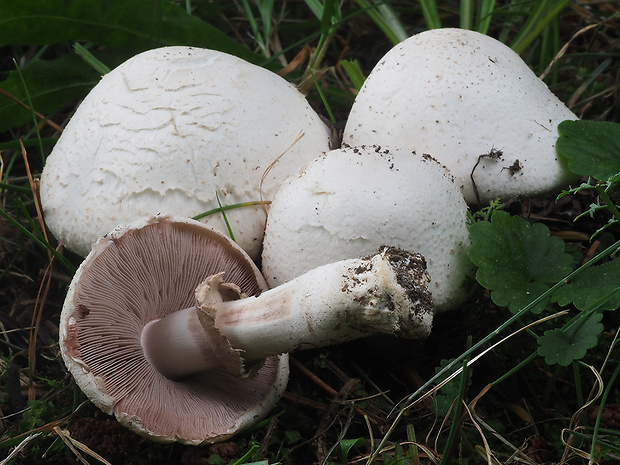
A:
(591, 147)
(517, 261)
(565, 346)
(596, 287)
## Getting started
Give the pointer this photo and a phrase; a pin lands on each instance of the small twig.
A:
(267, 437)
(19, 448)
(328, 389)
(562, 51)
(47, 121)
(43, 289)
(297, 399)
(314, 378)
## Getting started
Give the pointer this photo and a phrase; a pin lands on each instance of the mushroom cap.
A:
(167, 130)
(458, 94)
(349, 202)
(140, 273)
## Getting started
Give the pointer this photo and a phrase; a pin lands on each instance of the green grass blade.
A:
(391, 21)
(385, 18)
(597, 424)
(223, 208)
(354, 72)
(32, 112)
(331, 17)
(228, 228)
(265, 8)
(540, 18)
(458, 409)
(323, 98)
(466, 17)
(44, 245)
(90, 59)
(258, 37)
(15, 144)
(13, 188)
(485, 13)
(431, 14)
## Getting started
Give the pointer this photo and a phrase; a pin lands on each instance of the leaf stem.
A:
(608, 203)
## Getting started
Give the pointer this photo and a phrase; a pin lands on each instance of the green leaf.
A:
(122, 28)
(354, 72)
(517, 261)
(347, 444)
(597, 287)
(591, 147)
(138, 24)
(563, 346)
(51, 83)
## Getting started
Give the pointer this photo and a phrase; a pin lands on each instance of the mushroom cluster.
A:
(169, 324)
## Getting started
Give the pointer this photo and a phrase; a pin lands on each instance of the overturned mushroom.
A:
(472, 103)
(172, 368)
(139, 274)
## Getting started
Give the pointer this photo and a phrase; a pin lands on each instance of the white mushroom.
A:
(472, 103)
(348, 202)
(136, 275)
(174, 368)
(167, 131)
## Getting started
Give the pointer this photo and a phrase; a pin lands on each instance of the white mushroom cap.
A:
(111, 299)
(165, 131)
(350, 201)
(459, 94)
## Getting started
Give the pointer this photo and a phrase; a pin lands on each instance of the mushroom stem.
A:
(338, 302)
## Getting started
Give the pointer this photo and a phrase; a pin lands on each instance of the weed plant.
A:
(525, 372)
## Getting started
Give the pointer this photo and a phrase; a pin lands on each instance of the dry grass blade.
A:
(273, 163)
(595, 393)
(21, 446)
(491, 460)
(581, 31)
(44, 287)
(73, 445)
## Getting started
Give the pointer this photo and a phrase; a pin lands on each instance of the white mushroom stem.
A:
(338, 302)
